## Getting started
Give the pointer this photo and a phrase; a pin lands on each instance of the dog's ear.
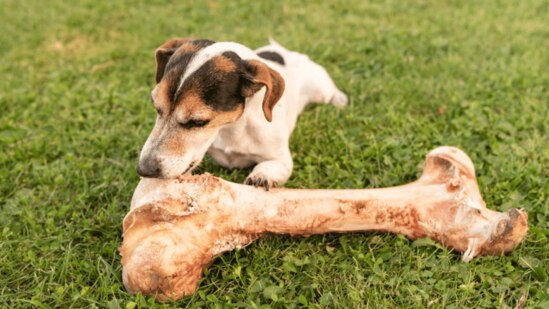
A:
(163, 54)
(256, 75)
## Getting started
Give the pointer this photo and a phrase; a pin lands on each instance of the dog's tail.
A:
(274, 43)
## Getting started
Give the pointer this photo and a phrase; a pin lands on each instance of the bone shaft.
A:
(306, 212)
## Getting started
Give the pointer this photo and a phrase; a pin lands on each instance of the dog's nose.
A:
(148, 168)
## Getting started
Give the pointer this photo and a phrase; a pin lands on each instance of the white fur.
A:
(253, 140)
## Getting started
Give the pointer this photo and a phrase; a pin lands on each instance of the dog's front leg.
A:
(271, 173)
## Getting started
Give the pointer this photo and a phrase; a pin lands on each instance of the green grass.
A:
(74, 112)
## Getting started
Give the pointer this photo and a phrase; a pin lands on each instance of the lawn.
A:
(74, 112)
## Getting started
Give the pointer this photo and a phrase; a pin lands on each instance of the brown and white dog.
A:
(238, 105)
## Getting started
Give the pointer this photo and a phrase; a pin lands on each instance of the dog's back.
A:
(313, 80)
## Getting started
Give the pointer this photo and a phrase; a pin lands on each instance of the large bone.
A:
(176, 227)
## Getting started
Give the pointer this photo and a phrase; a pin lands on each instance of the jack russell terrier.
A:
(238, 105)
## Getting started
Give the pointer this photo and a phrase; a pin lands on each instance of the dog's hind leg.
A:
(320, 88)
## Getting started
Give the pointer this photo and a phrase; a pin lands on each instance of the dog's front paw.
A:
(260, 180)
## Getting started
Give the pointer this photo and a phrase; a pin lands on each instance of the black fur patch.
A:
(182, 60)
(218, 89)
(176, 66)
(273, 56)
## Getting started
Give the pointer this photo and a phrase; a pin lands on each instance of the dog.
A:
(238, 105)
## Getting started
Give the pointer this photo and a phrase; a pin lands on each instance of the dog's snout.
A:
(149, 167)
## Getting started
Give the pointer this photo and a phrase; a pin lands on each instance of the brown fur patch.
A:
(224, 64)
(162, 98)
(173, 43)
(192, 101)
(174, 145)
(187, 47)
(227, 117)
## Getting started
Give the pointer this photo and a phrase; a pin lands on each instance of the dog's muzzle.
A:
(149, 167)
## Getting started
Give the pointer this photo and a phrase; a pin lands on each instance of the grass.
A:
(76, 77)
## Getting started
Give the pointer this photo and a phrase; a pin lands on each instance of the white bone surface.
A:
(176, 227)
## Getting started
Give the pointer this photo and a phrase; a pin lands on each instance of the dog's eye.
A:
(194, 123)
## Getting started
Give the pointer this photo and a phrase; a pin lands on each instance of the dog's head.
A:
(201, 86)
